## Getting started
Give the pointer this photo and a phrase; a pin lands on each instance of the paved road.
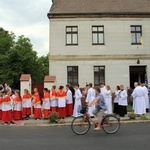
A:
(129, 137)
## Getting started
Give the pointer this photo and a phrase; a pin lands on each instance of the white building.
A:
(100, 41)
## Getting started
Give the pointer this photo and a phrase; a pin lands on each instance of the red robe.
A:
(46, 105)
(7, 109)
(61, 96)
(17, 108)
(37, 106)
(1, 99)
(26, 110)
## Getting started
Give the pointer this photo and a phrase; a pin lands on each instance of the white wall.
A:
(117, 41)
(116, 71)
(117, 36)
(25, 85)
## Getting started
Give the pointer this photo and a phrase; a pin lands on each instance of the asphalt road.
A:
(129, 137)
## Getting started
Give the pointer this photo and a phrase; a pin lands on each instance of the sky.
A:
(28, 18)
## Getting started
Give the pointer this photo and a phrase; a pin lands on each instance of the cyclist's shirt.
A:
(101, 102)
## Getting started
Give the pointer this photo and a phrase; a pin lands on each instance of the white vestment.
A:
(69, 97)
(146, 96)
(139, 106)
(90, 97)
(108, 101)
(78, 96)
(123, 98)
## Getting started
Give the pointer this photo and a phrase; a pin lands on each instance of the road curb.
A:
(69, 123)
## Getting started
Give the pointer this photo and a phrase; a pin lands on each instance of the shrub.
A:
(132, 116)
(143, 117)
(53, 117)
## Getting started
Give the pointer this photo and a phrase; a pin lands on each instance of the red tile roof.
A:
(25, 77)
(100, 6)
(50, 79)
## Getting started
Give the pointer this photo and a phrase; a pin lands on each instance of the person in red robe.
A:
(61, 96)
(46, 103)
(37, 105)
(17, 106)
(69, 105)
(53, 99)
(26, 104)
(1, 100)
(7, 109)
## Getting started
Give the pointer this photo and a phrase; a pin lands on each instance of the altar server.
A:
(61, 96)
(46, 103)
(69, 105)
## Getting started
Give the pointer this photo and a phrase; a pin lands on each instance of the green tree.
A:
(20, 58)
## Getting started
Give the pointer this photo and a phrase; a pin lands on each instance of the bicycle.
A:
(82, 124)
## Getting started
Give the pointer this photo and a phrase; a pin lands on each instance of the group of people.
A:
(66, 101)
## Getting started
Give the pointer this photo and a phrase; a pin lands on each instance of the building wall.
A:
(117, 36)
(117, 41)
(116, 72)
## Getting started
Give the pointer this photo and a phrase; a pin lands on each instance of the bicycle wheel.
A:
(110, 124)
(80, 126)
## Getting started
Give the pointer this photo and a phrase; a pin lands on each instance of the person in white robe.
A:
(102, 88)
(139, 105)
(90, 97)
(77, 104)
(123, 102)
(146, 97)
(108, 99)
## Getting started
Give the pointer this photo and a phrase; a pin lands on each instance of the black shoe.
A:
(92, 117)
(12, 123)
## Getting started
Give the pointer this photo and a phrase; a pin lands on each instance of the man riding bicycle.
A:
(100, 107)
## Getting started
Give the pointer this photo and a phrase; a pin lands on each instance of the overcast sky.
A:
(28, 18)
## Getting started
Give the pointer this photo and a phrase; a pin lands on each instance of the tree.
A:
(20, 58)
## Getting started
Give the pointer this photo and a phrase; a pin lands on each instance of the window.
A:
(72, 75)
(136, 33)
(72, 35)
(98, 35)
(99, 75)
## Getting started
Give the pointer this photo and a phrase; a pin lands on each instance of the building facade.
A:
(100, 42)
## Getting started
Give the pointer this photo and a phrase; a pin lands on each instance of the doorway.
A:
(137, 74)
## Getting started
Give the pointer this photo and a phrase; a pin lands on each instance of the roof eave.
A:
(51, 15)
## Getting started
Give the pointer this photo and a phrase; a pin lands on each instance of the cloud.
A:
(28, 18)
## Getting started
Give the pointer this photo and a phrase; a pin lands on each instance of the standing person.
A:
(123, 102)
(108, 99)
(46, 103)
(69, 105)
(53, 99)
(26, 104)
(37, 105)
(1, 100)
(116, 100)
(61, 96)
(1, 88)
(7, 87)
(90, 97)
(77, 104)
(138, 100)
(73, 92)
(146, 97)
(7, 109)
(17, 106)
(102, 88)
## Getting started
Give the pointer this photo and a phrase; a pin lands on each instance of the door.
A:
(137, 74)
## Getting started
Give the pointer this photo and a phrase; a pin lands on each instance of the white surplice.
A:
(108, 101)
(139, 105)
(90, 97)
(78, 96)
(146, 96)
